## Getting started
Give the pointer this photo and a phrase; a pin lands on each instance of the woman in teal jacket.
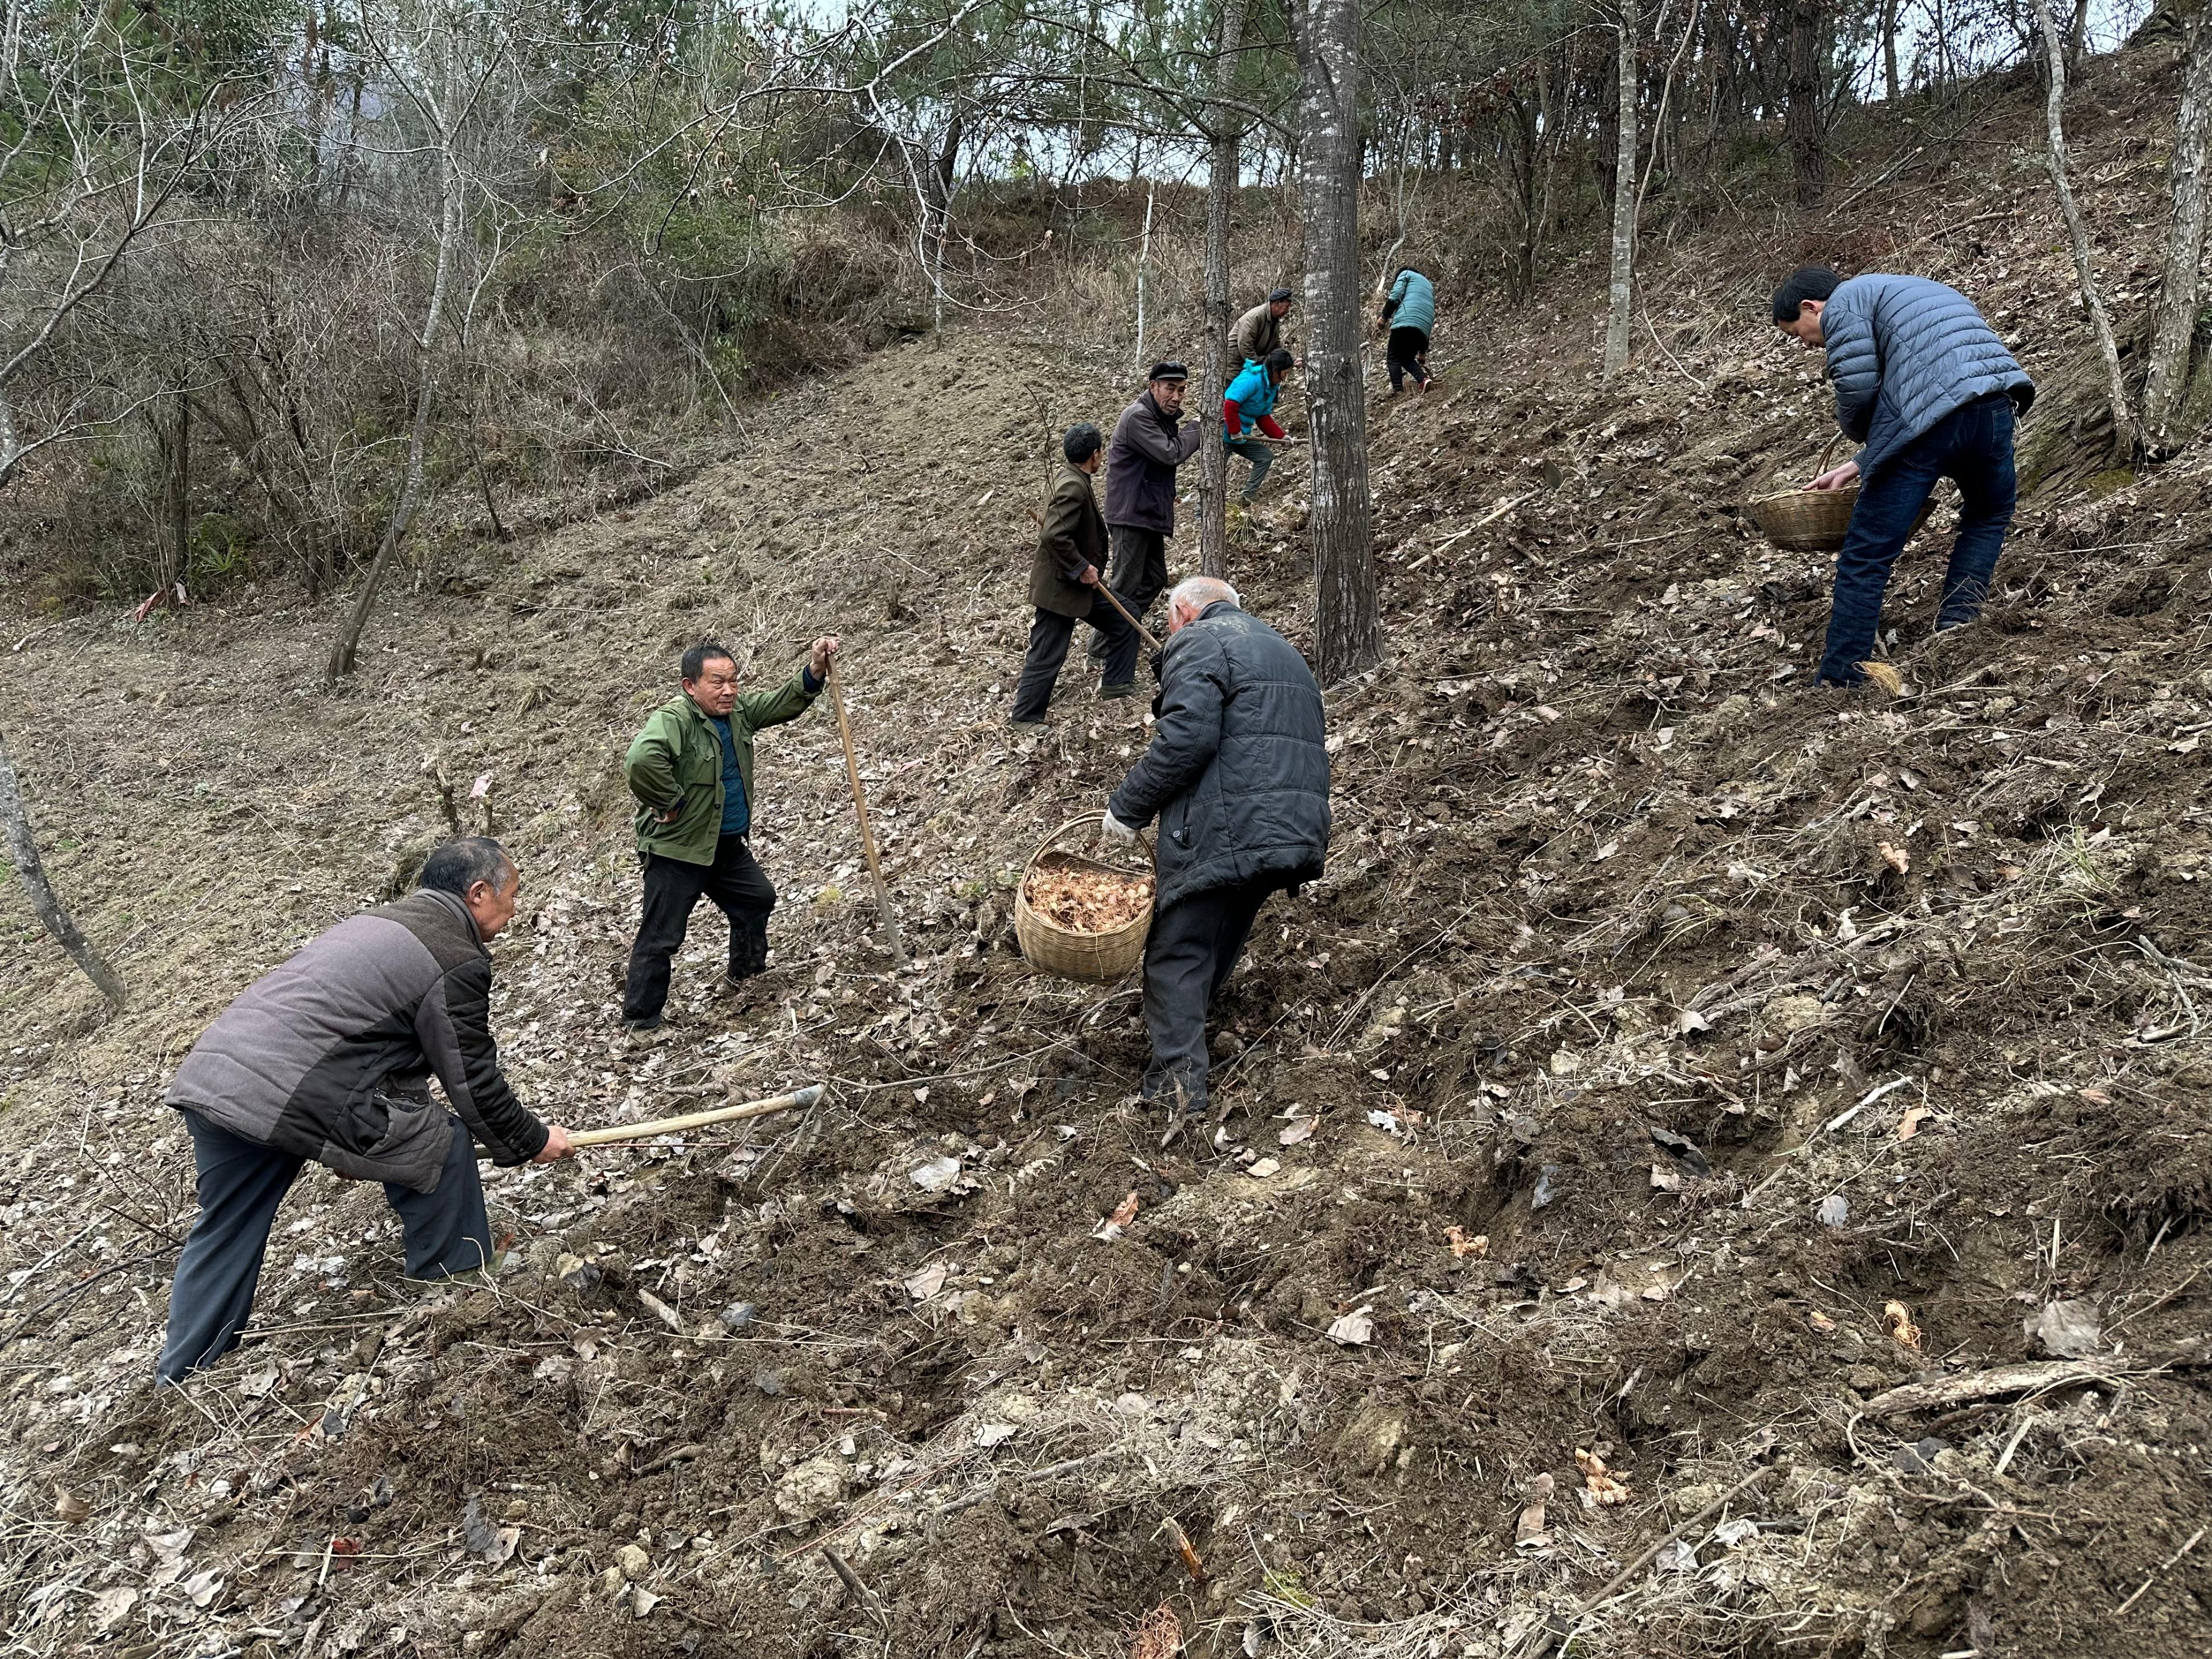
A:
(1409, 313)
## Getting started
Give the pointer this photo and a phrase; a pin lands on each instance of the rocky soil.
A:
(1632, 1164)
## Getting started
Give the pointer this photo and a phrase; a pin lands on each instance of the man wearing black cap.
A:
(1063, 586)
(1260, 330)
(1149, 444)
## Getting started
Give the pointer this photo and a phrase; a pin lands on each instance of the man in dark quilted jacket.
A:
(1929, 390)
(1237, 774)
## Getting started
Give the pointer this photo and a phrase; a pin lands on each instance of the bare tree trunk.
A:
(175, 442)
(1220, 196)
(1891, 90)
(1144, 269)
(944, 176)
(2174, 331)
(2127, 436)
(1347, 626)
(1621, 289)
(1556, 112)
(1527, 169)
(343, 654)
(1805, 116)
(23, 854)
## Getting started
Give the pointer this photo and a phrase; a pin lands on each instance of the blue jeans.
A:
(1971, 446)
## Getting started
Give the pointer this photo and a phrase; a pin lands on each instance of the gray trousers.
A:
(241, 1182)
(1193, 944)
(1263, 457)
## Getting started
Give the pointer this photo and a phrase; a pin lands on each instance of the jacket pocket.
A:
(1175, 820)
(371, 1125)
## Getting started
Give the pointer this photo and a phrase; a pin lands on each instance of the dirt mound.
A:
(1660, 1023)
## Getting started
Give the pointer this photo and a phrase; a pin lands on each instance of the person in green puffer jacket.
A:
(691, 770)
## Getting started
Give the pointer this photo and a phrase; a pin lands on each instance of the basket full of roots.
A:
(1077, 917)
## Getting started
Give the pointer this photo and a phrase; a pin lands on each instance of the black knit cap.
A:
(1170, 370)
(1806, 283)
(1281, 293)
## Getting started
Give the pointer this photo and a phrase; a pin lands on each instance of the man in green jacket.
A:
(691, 770)
(1064, 586)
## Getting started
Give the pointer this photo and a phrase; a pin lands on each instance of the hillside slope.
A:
(1660, 1023)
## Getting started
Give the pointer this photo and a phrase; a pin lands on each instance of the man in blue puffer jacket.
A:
(1926, 385)
(1237, 774)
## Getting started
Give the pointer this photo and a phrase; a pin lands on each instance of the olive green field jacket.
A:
(677, 757)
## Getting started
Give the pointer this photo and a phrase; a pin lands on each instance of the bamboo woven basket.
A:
(1057, 950)
(1814, 520)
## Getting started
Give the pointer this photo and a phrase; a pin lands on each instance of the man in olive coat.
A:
(1260, 330)
(1064, 586)
(691, 770)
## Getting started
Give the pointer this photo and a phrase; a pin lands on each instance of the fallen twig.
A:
(851, 1580)
(2033, 1378)
(1066, 1466)
(2195, 1538)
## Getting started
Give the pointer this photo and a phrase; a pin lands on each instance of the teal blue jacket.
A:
(1413, 302)
(1254, 393)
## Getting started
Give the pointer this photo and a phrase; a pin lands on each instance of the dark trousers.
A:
(1141, 567)
(241, 1182)
(1406, 355)
(1049, 635)
(1193, 944)
(1972, 446)
(740, 890)
(1262, 455)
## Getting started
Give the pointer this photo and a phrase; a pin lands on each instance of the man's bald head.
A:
(1190, 598)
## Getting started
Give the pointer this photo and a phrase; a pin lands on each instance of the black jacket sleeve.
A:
(1193, 689)
(454, 1026)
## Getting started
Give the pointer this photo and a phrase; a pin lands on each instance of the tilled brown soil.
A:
(1666, 1042)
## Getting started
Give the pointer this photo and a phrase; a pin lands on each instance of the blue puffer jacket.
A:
(1413, 302)
(1905, 352)
(1254, 396)
(1238, 767)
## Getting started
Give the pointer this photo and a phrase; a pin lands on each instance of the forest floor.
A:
(1675, 1063)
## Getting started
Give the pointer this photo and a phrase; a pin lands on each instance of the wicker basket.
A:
(1814, 520)
(1058, 950)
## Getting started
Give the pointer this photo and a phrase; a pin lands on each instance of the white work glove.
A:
(1116, 833)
